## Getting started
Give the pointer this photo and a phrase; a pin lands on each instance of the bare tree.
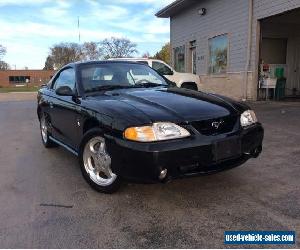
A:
(117, 47)
(90, 51)
(49, 64)
(2, 51)
(64, 53)
(146, 55)
(4, 65)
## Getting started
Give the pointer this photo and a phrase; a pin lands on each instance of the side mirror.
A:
(171, 73)
(64, 91)
(44, 85)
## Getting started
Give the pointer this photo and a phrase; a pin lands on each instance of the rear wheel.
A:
(95, 163)
(45, 133)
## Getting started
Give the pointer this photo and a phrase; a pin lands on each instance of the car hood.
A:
(165, 104)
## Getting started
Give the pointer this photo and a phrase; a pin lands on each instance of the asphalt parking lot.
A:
(45, 203)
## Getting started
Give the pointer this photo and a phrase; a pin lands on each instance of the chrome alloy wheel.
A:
(44, 129)
(97, 162)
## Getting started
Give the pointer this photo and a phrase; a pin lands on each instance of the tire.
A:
(190, 85)
(95, 163)
(44, 124)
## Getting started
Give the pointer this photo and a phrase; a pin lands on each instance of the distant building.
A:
(239, 48)
(11, 78)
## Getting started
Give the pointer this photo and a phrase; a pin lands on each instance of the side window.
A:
(161, 68)
(65, 78)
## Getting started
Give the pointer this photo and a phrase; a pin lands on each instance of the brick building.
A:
(11, 78)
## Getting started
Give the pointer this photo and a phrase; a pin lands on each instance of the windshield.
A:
(97, 77)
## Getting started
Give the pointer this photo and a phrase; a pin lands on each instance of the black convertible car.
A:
(125, 121)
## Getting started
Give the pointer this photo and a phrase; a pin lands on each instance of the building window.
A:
(19, 79)
(218, 53)
(179, 59)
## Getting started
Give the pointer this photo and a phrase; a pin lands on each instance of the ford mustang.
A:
(125, 121)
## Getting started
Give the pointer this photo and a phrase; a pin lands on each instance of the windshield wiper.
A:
(108, 87)
(149, 85)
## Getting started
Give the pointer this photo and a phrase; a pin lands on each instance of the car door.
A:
(64, 110)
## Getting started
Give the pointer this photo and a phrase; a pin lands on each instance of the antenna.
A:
(78, 25)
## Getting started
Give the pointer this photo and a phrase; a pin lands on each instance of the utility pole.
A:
(78, 25)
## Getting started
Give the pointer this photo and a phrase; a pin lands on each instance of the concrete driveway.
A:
(45, 203)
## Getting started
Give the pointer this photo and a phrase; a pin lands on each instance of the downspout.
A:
(249, 45)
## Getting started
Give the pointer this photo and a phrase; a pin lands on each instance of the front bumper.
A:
(197, 155)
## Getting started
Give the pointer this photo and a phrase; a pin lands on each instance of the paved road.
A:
(264, 194)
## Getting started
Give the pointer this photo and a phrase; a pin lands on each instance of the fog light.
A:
(163, 174)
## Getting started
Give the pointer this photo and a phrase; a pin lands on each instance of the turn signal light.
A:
(142, 134)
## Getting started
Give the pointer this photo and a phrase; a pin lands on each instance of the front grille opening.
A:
(216, 126)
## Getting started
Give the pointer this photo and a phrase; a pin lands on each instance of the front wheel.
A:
(190, 85)
(95, 163)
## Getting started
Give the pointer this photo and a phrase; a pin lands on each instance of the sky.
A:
(28, 28)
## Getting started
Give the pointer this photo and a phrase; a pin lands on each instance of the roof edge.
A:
(166, 11)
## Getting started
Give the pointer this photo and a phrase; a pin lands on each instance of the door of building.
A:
(194, 61)
(193, 57)
(294, 69)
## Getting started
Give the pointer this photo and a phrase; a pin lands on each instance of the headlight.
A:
(159, 131)
(248, 118)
